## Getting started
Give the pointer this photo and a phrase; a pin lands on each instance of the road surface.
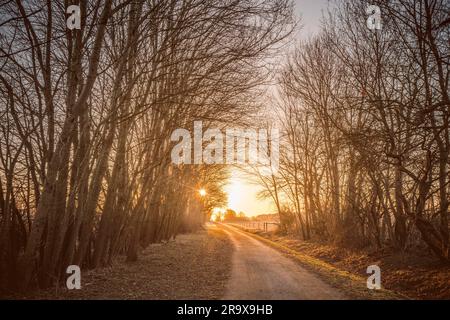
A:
(262, 273)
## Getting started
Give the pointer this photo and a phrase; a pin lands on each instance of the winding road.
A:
(262, 273)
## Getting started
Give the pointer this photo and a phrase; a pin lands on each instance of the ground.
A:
(194, 266)
(263, 273)
(224, 262)
(415, 275)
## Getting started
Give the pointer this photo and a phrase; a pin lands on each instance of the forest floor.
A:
(194, 266)
(417, 276)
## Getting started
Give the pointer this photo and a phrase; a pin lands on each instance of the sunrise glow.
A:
(243, 196)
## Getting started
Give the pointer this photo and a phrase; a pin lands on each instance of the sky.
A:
(310, 12)
(242, 194)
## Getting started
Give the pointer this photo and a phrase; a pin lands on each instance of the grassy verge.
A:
(353, 285)
(194, 266)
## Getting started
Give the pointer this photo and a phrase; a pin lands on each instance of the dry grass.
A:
(414, 274)
(352, 284)
(194, 266)
(411, 274)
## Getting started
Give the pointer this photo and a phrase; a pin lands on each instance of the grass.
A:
(353, 285)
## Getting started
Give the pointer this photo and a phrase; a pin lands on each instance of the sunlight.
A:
(243, 196)
(217, 214)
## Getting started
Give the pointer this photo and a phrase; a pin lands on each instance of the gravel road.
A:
(261, 272)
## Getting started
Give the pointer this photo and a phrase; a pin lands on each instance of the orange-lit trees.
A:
(365, 114)
(87, 117)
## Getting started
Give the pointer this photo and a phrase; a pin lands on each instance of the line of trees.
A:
(86, 118)
(365, 119)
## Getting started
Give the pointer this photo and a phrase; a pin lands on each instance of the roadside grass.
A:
(194, 266)
(354, 286)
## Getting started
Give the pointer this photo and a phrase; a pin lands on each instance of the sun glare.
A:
(217, 214)
(243, 196)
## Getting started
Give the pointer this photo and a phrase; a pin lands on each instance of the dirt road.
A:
(261, 272)
(219, 263)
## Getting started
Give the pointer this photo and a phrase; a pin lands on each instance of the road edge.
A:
(353, 285)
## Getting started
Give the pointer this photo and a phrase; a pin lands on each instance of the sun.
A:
(243, 196)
